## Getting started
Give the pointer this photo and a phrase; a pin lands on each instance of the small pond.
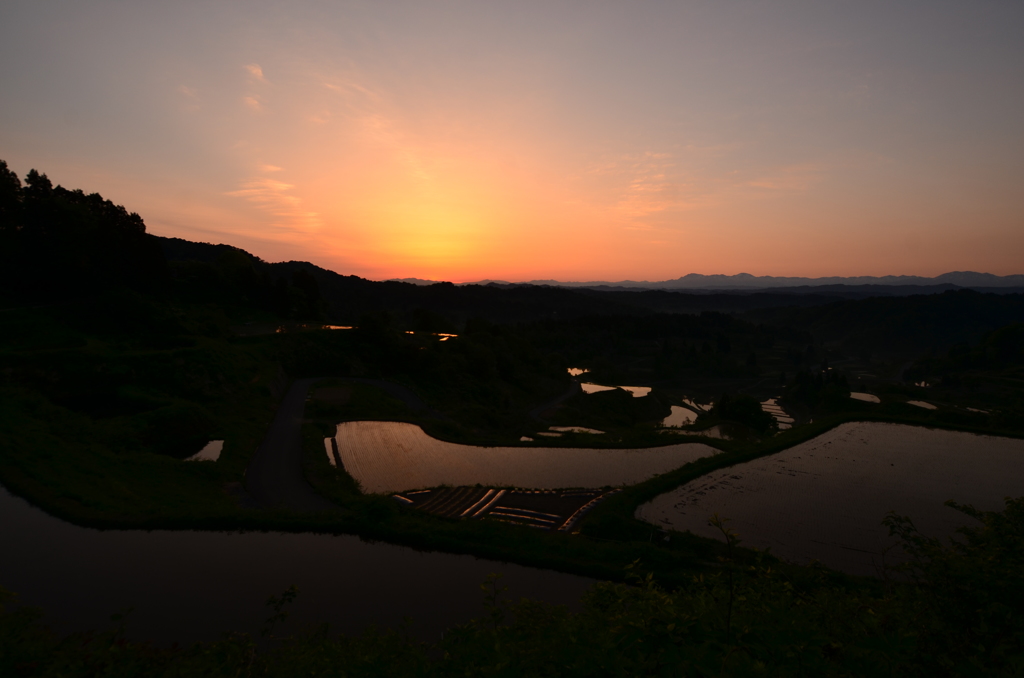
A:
(186, 586)
(825, 499)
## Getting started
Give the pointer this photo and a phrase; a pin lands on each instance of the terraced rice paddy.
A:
(389, 457)
(191, 585)
(211, 452)
(680, 416)
(718, 431)
(557, 431)
(825, 499)
(331, 445)
(772, 407)
(543, 509)
(635, 391)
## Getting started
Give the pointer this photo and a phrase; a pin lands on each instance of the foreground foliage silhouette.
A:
(959, 614)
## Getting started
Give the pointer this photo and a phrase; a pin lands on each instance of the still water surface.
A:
(825, 498)
(635, 391)
(680, 416)
(392, 456)
(186, 586)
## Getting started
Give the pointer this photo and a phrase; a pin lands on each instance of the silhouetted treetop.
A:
(66, 242)
(37, 186)
(10, 198)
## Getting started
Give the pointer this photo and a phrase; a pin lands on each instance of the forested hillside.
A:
(122, 353)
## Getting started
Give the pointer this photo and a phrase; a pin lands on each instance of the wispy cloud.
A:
(190, 98)
(277, 199)
(253, 103)
(646, 183)
(255, 72)
(639, 186)
(350, 87)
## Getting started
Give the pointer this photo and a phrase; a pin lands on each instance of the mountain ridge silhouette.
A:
(698, 281)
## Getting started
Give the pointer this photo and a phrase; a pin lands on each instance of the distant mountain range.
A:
(745, 281)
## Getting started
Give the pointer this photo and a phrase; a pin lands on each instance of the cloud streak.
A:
(467, 144)
(277, 199)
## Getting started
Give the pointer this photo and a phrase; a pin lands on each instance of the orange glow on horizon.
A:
(466, 142)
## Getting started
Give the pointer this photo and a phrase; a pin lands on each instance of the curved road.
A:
(274, 476)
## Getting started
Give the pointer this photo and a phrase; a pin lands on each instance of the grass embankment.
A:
(85, 482)
(611, 536)
(723, 610)
(614, 518)
(115, 459)
(380, 517)
(95, 414)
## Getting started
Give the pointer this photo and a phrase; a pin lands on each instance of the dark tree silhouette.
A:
(10, 198)
(744, 409)
(62, 243)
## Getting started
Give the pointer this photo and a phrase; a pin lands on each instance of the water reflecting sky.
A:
(187, 586)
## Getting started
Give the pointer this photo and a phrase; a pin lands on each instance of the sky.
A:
(538, 140)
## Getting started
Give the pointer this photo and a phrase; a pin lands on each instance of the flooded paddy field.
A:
(727, 431)
(681, 416)
(782, 418)
(186, 586)
(210, 452)
(543, 509)
(635, 391)
(825, 498)
(392, 457)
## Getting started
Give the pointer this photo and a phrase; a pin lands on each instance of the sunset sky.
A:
(531, 140)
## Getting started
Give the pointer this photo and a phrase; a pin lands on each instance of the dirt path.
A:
(573, 389)
(274, 477)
